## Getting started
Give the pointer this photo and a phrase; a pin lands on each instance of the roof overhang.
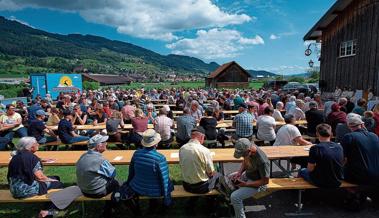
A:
(316, 32)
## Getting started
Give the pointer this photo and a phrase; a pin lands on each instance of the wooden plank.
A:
(6, 196)
(123, 157)
(274, 184)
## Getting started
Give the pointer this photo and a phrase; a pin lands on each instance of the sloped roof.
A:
(316, 32)
(225, 66)
(108, 79)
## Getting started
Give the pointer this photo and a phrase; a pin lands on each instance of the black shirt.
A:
(36, 129)
(328, 157)
(361, 148)
(100, 119)
(209, 124)
(314, 117)
(64, 130)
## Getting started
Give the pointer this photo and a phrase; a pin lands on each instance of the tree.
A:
(90, 85)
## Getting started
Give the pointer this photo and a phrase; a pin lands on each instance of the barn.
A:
(228, 75)
(107, 79)
(349, 37)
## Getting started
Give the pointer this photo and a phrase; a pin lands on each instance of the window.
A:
(348, 48)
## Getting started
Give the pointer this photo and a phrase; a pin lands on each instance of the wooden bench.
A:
(275, 184)
(6, 196)
(58, 142)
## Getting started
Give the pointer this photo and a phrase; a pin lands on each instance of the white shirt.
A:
(266, 128)
(277, 115)
(286, 135)
(163, 126)
(297, 113)
(195, 162)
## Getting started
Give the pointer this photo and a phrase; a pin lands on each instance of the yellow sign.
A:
(65, 81)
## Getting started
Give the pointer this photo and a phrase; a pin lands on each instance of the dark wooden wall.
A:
(232, 74)
(359, 21)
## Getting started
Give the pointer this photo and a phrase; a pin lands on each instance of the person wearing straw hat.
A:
(148, 170)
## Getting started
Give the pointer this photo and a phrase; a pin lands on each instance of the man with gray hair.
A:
(185, 124)
(251, 178)
(314, 117)
(95, 175)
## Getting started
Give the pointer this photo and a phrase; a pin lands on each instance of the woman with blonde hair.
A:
(140, 124)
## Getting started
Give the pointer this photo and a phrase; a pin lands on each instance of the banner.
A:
(66, 83)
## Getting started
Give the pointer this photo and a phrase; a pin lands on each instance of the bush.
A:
(90, 85)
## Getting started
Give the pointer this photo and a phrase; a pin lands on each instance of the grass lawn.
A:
(94, 209)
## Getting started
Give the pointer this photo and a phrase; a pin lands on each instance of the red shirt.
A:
(140, 124)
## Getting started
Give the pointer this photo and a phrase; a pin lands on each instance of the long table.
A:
(225, 112)
(222, 124)
(123, 157)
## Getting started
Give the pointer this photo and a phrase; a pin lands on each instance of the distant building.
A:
(227, 76)
(349, 34)
(107, 79)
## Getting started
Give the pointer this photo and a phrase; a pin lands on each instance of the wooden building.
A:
(349, 34)
(107, 79)
(229, 75)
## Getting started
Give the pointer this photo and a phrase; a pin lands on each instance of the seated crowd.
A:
(352, 155)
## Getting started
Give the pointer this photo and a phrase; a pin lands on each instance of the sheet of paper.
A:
(174, 155)
(213, 154)
(118, 158)
(50, 161)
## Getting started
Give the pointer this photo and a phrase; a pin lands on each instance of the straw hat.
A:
(150, 138)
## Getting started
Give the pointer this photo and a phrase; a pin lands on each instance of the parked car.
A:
(274, 84)
(292, 86)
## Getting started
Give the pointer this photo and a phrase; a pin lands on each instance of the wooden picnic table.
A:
(222, 124)
(123, 157)
(225, 112)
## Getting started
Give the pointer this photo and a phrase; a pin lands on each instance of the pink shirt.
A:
(128, 112)
(163, 126)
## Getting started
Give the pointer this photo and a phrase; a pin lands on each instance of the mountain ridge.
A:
(31, 50)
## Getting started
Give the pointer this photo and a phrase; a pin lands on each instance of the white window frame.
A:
(348, 45)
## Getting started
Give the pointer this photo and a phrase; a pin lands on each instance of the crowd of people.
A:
(347, 133)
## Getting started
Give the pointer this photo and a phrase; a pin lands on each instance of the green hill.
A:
(27, 50)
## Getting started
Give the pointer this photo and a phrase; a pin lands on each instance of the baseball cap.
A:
(243, 105)
(97, 139)
(199, 129)
(354, 119)
(241, 146)
(41, 113)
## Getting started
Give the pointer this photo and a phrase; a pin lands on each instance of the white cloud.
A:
(287, 70)
(214, 43)
(20, 21)
(150, 19)
(274, 37)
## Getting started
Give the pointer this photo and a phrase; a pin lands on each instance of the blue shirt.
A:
(185, 124)
(32, 111)
(36, 128)
(64, 130)
(244, 124)
(361, 148)
(149, 174)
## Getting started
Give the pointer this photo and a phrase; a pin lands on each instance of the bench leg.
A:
(299, 206)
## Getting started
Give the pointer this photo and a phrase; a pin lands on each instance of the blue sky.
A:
(258, 34)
